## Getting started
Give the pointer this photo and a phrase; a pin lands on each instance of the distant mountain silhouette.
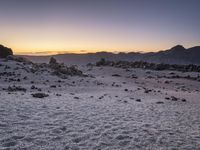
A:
(175, 55)
(4, 51)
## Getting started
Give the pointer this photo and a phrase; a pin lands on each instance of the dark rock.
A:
(183, 100)
(116, 75)
(33, 87)
(39, 95)
(5, 52)
(126, 90)
(159, 102)
(147, 90)
(167, 82)
(174, 98)
(101, 97)
(102, 62)
(53, 61)
(125, 101)
(134, 76)
(138, 100)
(167, 98)
(53, 86)
(15, 89)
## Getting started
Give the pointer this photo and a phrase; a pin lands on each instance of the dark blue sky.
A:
(93, 25)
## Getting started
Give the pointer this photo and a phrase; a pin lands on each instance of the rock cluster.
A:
(53, 67)
(146, 65)
(62, 70)
(15, 89)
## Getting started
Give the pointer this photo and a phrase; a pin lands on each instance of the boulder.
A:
(4, 51)
(52, 61)
(39, 95)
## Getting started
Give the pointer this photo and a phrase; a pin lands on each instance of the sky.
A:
(80, 26)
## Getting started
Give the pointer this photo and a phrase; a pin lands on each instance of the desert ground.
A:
(107, 108)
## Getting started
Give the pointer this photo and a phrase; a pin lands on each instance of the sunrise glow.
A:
(81, 27)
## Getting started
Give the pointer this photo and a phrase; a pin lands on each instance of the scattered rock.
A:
(15, 89)
(174, 98)
(126, 90)
(101, 97)
(33, 87)
(147, 65)
(134, 76)
(138, 100)
(39, 95)
(125, 101)
(167, 82)
(159, 102)
(58, 95)
(116, 75)
(53, 86)
(183, 100)
(167, 98)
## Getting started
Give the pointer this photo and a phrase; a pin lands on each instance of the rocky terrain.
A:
(146, 65)
(55, 106)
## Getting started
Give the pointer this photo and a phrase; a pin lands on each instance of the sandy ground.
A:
(132, 110)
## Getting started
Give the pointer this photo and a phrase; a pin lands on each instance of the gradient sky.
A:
(29, 26)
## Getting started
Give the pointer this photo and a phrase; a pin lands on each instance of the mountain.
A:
(175, 55)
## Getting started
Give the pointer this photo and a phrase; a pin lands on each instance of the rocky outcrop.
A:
(146, 65)
(62, 70)
(53, 61)
(4, 51)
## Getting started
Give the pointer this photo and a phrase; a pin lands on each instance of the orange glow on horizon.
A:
(54, 50)
(53, 38)
(43, 39)
(76, 51)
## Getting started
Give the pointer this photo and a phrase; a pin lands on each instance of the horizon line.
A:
(52, 53)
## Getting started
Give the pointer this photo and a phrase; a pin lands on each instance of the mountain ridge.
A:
(176, 55)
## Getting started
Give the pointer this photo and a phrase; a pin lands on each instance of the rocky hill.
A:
(4, 51)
